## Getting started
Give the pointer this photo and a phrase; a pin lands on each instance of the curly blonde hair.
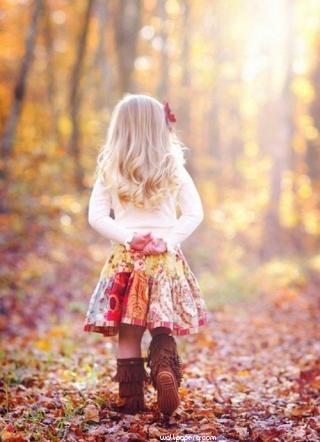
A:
(142, 154)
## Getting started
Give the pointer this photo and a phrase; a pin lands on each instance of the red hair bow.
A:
(169, 115)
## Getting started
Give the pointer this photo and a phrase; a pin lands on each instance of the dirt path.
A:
(257, 375)
(252, 374)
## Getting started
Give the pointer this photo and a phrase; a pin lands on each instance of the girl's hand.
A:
(139, 241)
(155, 247)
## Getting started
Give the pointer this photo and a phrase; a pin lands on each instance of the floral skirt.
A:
(146, 290)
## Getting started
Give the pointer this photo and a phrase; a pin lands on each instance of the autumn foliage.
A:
(242, 80)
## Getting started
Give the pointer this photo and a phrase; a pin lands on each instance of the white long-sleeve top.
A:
(162, 221)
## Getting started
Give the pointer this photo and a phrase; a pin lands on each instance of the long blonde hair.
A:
(142, 154)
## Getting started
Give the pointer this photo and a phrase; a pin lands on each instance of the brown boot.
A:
(166, 373)
(131, 376)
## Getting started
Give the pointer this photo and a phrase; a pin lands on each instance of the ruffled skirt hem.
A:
(149, 291)
(112, 328)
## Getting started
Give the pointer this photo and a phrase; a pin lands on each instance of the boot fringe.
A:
(132, 405)
(131, 376)
(131, 372)
(127, 389)
(163, 351)
(165, 358)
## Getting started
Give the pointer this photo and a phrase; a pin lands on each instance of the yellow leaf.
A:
(43, 344)
(243, 373)
(57, 332)
(183, 391)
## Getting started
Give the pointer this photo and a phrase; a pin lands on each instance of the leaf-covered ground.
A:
(252, 374)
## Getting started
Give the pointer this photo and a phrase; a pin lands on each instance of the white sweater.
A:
(162, 222)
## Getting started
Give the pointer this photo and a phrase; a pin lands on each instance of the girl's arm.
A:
(99, 215)
(191, 212)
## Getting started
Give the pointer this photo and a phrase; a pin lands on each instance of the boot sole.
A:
(168, 396)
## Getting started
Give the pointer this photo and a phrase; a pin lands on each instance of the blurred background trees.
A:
(242, 77)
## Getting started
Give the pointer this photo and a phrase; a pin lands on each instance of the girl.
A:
(146, 282)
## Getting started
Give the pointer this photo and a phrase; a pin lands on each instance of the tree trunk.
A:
(105, 84)
(127, 22)
(75, 98)
(18, 98)
(213, 125)
(279, 133)
(163, 86)
(51, 78)
(313, 154)
(186, 97)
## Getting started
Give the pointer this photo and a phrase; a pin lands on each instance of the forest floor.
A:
(251, 374)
